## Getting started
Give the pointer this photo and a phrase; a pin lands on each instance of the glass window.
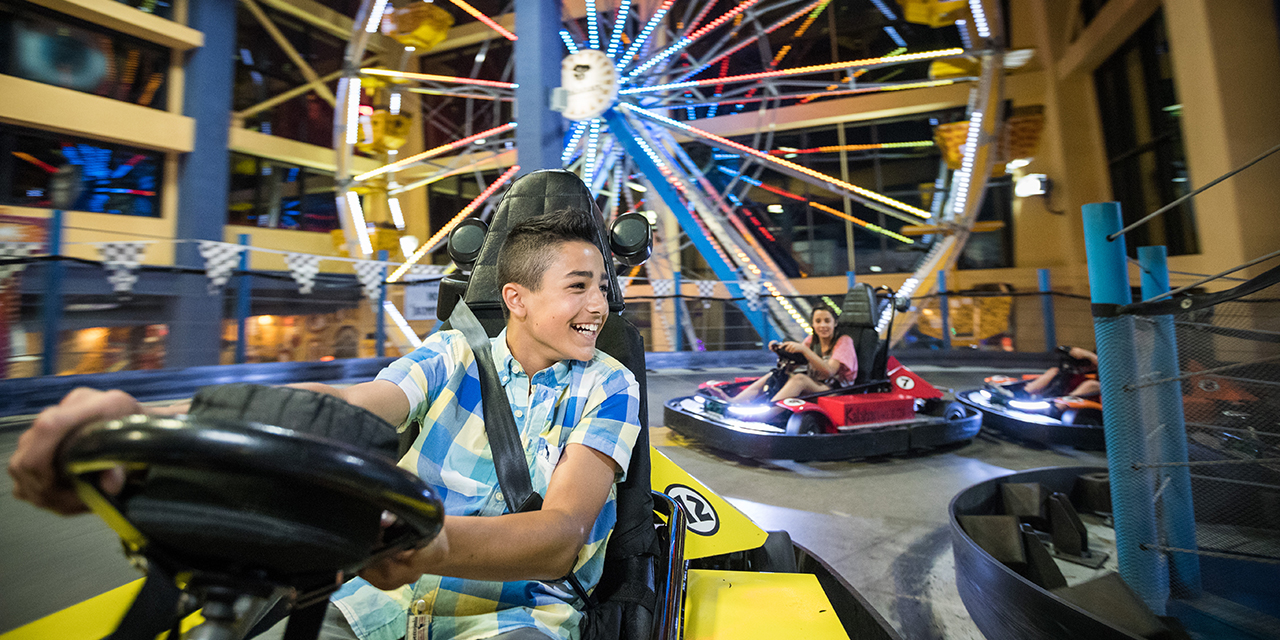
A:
(1142, 125)
(277, 195)
(114, 178)
(51, 48)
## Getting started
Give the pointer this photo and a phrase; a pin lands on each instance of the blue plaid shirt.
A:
(594, 403)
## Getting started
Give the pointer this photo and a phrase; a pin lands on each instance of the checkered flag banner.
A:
(122, 260)
(706, 289)
(662, 287)
(751, 291)
(15, 250)
(220, 259)
(623, 282)
(303, 267)
(370, 273)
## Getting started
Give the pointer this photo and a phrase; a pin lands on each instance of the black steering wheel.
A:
(247, 508)
(787, 357)
(1071, 365)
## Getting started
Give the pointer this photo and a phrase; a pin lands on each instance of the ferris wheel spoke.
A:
(687, 40)
(619, 25)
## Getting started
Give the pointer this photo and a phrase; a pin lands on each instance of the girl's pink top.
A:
(845, 354)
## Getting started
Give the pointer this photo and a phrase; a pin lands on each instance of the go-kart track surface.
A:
(881, 523)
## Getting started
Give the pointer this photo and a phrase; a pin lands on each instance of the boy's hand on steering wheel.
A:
(33, 465)
(405, 567)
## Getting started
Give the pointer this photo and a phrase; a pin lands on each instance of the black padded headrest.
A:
(528, 196)
(859, 307)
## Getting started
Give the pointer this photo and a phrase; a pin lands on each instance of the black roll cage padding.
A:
(253, 448)
(668, 609)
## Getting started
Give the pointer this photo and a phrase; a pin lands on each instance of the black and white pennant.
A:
(303, 267)
(220, 259)
(11, 250)
(122, 259)
(371, 274)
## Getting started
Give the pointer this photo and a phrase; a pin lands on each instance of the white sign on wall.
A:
(420, 300)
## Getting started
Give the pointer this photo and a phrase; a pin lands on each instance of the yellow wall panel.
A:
(62, 110)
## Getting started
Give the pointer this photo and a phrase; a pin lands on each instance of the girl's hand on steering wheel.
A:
(792, 347)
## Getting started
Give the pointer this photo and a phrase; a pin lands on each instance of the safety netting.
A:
(1199, 419)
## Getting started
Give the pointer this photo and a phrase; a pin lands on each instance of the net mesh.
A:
(1205, 439)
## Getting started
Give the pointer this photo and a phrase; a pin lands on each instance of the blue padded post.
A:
(244, 289)
(1132, 489)
(1046, 308)
(51, 305)
(944, 310)
(677, 303)
(1176, 513)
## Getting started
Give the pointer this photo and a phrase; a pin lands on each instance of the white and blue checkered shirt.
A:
(594, 403)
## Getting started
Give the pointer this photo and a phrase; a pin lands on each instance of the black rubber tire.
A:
(807, 424)
(954, 411)
(776, 555)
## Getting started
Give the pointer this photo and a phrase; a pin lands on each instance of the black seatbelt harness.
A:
(499, 423)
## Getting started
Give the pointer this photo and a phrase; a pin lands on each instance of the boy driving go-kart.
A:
(1072, 386)
(492, 571)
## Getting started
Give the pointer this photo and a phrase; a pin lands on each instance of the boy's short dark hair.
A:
(530, 246)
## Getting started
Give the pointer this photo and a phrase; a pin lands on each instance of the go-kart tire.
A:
(777, 555)
(1082, 417)
(807, 423)
(953, 411)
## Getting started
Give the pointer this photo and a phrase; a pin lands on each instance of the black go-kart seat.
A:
(243, 512)
(858, 318)
(638, 591)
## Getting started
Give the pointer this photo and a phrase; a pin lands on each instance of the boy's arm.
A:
(536, 545)
(380, 397)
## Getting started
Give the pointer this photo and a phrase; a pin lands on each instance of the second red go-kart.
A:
(889, 409)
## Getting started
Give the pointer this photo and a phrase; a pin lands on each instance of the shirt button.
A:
(498, 496)
(519, 413)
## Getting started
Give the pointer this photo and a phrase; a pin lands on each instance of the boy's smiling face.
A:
(563, 317)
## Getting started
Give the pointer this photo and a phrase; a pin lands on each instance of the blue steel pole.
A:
(677, 302)
(380, 326)
(1176, 511)
(944, 310)
(243, 292)
(538, 138)
(1132, 487)
(1046, 308)
(724, 271)
(51, 310)
(852, 278)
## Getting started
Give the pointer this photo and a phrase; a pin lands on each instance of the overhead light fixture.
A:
(1016, 164)
(774, 208)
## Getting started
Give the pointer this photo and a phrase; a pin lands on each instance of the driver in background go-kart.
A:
(1080, 384)
(489, 574)
(834, 364)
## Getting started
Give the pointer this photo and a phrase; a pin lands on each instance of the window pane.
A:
(46, 47)
(114, 179)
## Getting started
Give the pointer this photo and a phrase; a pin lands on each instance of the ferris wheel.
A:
(633, 89)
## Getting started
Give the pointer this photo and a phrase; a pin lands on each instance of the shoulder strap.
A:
(499, 423)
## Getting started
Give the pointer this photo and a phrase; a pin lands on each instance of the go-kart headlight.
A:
(749, 411)
(1035, 405)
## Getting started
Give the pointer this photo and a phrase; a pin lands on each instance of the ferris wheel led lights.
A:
(397, 216)
(357, 217)
(593, 26)
(439, 236)
(485, 19)
(401, 324)
(871, 195)
(884, 10)
(375, 16)
(965, 174)
(691, 38)
(856, 147)
(817, 68)
(979, 18)
(645, 32)
(962, 26)
(428, 77)
(745, 42)
(615, 37)
(593, 148)
(863, 223)
(579, 128)
(353, 109)
(431, 153)
(787, 306)
(568, 41)
(895, 36)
